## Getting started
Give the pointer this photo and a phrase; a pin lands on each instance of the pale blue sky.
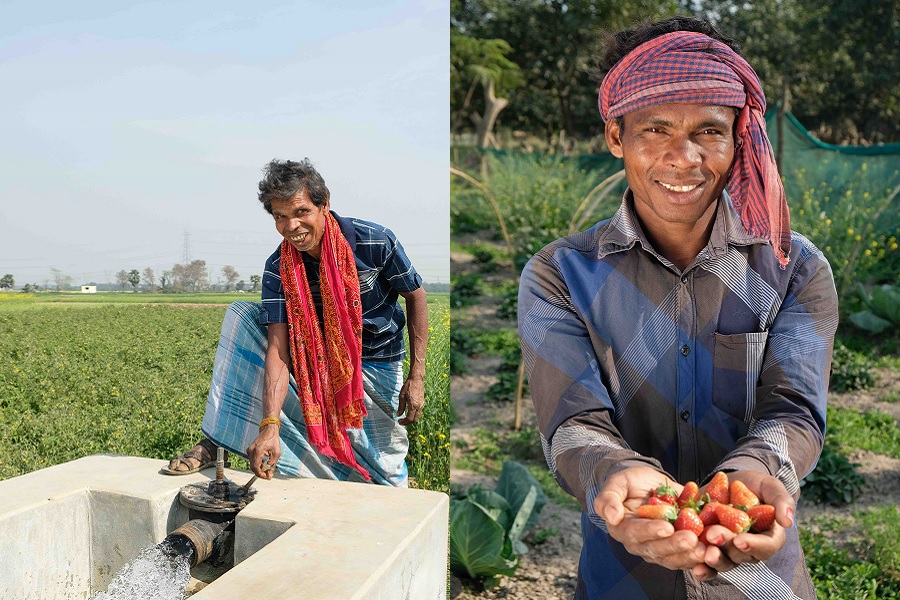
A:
(127, 125)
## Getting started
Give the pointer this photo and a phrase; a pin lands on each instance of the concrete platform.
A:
(67, 529)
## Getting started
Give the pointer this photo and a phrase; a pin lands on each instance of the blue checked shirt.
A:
(721, 367)
(384, 272)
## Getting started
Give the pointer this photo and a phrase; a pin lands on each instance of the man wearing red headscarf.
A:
(691, 333)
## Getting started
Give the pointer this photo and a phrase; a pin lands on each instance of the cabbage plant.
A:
(882, 309)
(487, 526)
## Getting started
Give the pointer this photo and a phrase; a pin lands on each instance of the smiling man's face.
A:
(677, 160)
(301, 222)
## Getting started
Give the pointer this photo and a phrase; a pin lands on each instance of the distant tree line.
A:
(436, 287)
(191, 277)
(526, 65)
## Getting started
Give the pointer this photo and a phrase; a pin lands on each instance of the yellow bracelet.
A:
(268, 421)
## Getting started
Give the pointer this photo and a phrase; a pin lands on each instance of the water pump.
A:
(212, 508)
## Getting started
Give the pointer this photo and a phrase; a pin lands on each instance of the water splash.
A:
(160, 572)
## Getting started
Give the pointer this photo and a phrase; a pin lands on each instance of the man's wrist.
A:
(268, 423)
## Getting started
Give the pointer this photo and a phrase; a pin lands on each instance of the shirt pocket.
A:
(737, 362)
(367, 279)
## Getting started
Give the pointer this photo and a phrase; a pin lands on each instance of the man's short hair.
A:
(283, 179)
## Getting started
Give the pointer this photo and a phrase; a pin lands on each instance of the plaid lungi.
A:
(234, 409)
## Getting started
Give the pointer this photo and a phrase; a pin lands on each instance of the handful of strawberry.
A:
(732, 505)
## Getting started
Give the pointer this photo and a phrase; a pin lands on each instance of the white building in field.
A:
(89, 289)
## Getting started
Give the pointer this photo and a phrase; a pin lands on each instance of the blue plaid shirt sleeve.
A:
(398, 269)
(273, 307)
(577, 425)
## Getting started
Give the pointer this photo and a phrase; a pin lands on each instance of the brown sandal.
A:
(197, 455)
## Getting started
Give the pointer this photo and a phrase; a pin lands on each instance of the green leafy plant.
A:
(469, 211)
(525, 498)
(479, 546)
(509, 303)
(463, 343)
(500, 341)
(542, 535)
(834, 480)
(485, 257)
(537, 198)
(882, 309)
(487, 526)
(457, 362)
(850, 370)
(465, 289)
(504, 389)
(873, 430)
(849, 212)
(863, 566)
(891, 396)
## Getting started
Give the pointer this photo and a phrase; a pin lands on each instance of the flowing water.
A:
(160, 572)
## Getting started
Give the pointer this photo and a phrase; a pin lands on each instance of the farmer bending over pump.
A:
(312, 378)
(690, 333)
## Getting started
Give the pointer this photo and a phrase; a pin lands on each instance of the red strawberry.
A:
(665, 512)
(708, 514)
(666, 493)
(653, 500)
(717, 488)
(763, 517)
(689, 520)
(690, 495)
(733, 519)
(742, 497)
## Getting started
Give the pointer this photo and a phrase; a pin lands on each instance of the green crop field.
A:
(129, 374)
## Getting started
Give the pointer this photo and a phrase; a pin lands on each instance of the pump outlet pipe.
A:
(202, 537)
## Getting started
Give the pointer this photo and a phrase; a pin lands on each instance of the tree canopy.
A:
(833, 62)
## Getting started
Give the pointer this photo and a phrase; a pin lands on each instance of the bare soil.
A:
(548, 571)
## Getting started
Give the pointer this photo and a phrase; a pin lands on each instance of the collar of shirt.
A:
(347, 229)
(625, 230)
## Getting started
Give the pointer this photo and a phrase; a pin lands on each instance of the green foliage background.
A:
(100, 377)
(832, 62)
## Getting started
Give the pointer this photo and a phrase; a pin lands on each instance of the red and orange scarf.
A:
(327, 368)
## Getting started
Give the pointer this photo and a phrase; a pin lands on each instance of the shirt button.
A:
(685, 415)
(685, 350)
(684, 279)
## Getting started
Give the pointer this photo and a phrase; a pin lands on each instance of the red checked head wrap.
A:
(692, 68)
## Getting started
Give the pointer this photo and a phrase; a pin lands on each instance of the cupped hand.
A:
(656, 541)
(727, 549)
